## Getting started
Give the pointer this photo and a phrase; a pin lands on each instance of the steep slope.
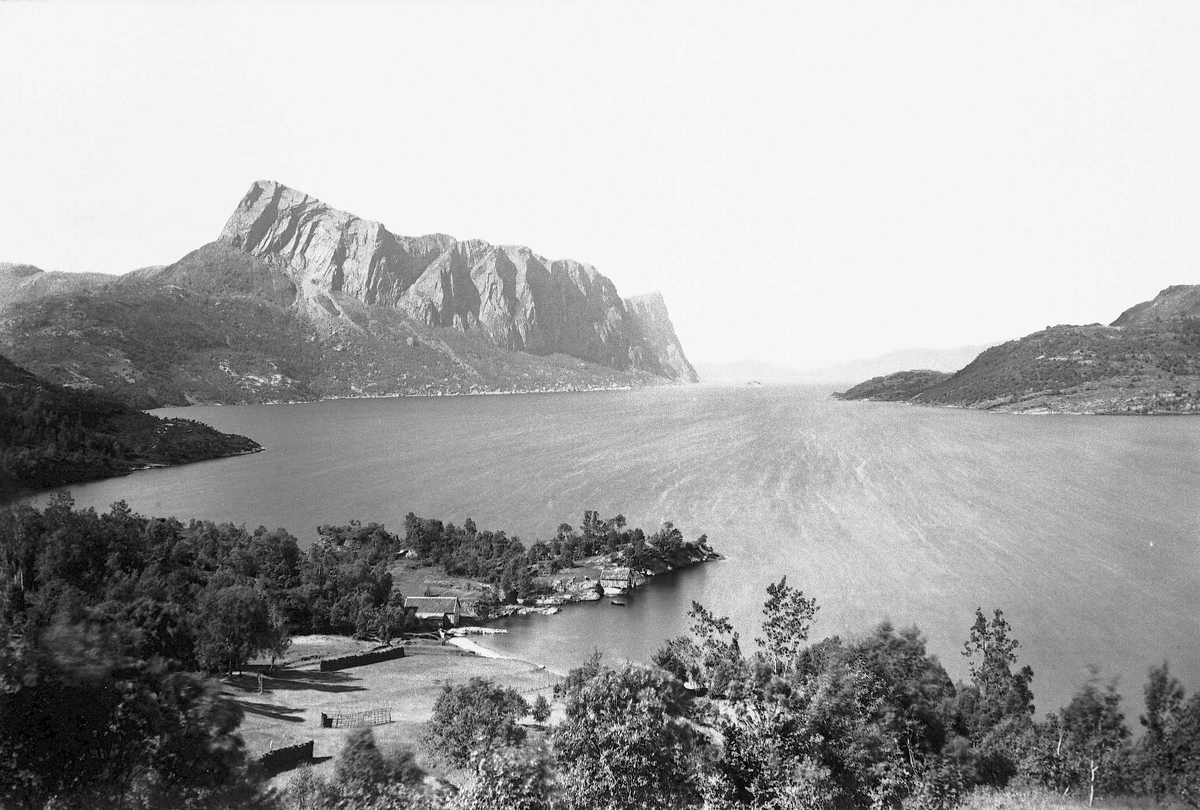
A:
(298, 301)
(1148, 361)
(514, 297)
(50, 436)
(659, 341)
(1180, 301)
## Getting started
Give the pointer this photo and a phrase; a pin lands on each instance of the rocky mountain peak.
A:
(509, 294)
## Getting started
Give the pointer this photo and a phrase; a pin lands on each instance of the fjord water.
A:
(1084, 530)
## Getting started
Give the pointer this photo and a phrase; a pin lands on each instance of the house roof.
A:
(614, 573)
(432, 604)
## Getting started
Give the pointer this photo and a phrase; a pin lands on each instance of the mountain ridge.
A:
(296, 300)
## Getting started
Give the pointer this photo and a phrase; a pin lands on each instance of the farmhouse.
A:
(446, 610)
(616, 580)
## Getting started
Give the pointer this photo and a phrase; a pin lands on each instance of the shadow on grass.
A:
(276, 711)
(291, 680)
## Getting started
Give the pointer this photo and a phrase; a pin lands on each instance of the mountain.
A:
(51, 435)
(947, 360)
(1147, 361)
(744, 371)
(845, 372)
(297, 300)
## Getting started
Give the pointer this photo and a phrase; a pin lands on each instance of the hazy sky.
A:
(804, 182)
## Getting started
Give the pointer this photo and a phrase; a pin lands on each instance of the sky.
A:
(805, 182)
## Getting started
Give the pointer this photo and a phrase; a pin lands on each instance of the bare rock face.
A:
(649, 313)
(327, 248)
(517, 299)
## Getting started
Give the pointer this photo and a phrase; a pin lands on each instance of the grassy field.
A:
(289, 709)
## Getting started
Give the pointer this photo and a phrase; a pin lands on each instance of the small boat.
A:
(617, 602)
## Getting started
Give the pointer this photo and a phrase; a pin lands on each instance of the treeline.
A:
(200, 595)
(506, 563)
(51, 435)
(874, 721)
(107, 619)
(105, 615)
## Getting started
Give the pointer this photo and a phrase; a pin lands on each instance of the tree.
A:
(625, 742)
(508, 779)
(720, 654)
(82, 722)
(235, 625)
(474, 717)
(995, 710)
(541, 710)
(762, 762)
(1169, 752)
(360, 766)
(789, 616)
(1094, 732)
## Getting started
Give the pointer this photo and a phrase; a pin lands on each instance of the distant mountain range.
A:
(51, 435)
(1146, 361)
(848, 371)
(297, 300)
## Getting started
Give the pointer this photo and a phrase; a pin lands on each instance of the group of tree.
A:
(511, 566)
(106, 619)
(199, 596)
(871, 721)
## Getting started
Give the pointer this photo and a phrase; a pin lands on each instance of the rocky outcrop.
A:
(326, 248)
(1179, 301)
(514, 297)
(659, 346)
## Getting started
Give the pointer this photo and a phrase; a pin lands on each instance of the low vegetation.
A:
(899, 387)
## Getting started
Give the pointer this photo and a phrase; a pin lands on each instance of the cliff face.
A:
(297, 300)
(512, 296)
(649, 314)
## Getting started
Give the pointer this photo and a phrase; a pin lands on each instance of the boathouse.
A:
(616, 580)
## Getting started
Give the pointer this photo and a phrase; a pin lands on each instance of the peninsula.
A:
(1147, 361)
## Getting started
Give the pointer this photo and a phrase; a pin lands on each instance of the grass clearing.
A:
(294, 697)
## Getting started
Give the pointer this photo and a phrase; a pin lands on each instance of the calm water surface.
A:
(1084, 530)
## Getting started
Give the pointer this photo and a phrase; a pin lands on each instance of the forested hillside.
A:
(51, 435)
(1147, 361)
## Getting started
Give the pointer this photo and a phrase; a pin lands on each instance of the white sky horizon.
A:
(806, 184)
